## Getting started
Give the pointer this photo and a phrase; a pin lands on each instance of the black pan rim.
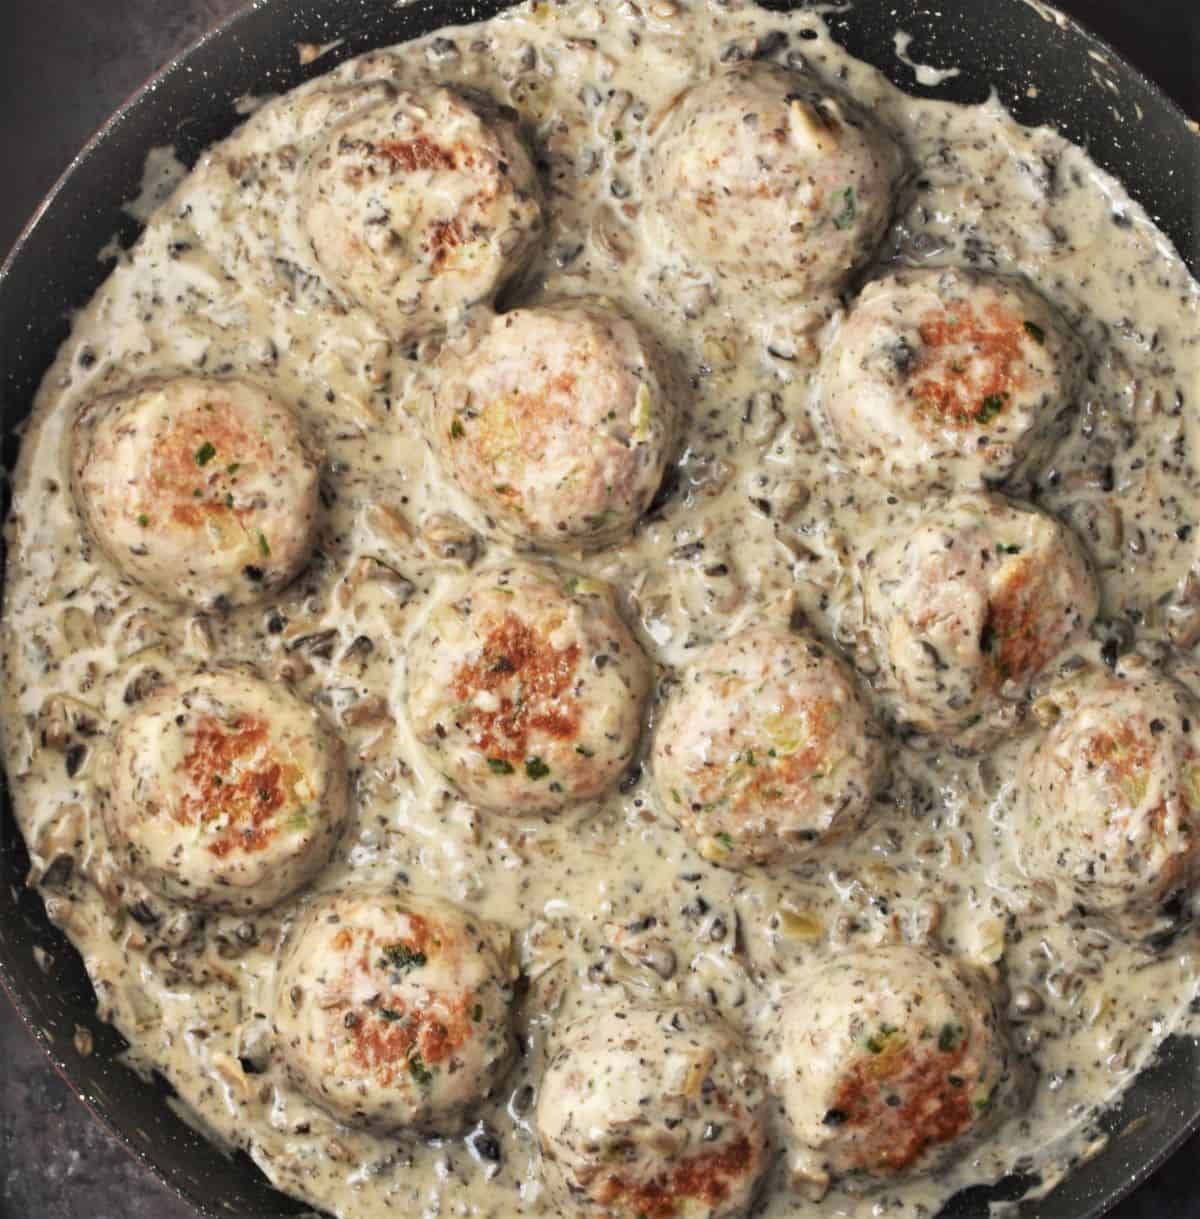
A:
(143, 96)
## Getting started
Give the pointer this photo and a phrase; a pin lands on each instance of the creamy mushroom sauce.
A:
(759, 522)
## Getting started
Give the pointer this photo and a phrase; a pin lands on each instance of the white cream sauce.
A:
(762, 521)
(925, 74)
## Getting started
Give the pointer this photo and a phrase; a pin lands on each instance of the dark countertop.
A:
(64, 66)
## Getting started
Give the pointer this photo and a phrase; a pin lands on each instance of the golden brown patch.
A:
(1124, 755)
(705, 1178)
(444, 236)
(234, 775)
(524, 419)
(190, 479)
(932, 1104)
(420, 153)
(391, 1036)
(1014, 637)
(532, 681)
(956, 341)
(391, 1039)
(791, 753)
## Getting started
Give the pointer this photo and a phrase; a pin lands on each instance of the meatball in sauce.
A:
(421, 206)
(654, 1111)
(766, 173)
(392, 1011)
(1109, 803)
(205, 491)
(967, 609)
(767, 750)
(227, 791)
(948, 379)
(526, 689)
(558, 424)
(888, 1061)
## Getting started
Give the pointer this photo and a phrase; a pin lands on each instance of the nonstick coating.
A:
(1042, 70)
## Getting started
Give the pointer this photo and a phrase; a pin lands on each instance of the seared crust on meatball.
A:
(227, 791)
(203, 490)
(421, 205)
(393, 1011)
(767, 749)
(948, 378)
(886, 1060)
(969, 607)
(527, 689)
(558, 423)
(655, 1112)
(767, 174)
(1109, 806)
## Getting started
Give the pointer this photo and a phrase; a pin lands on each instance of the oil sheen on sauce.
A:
(760, 523)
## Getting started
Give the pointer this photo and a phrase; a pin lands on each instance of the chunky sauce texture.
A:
(756, 522)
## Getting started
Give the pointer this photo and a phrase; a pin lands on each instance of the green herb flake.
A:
(419, 1071)
(228, 500)
(457, 431)
(600, 520)
(991, 406)
(299, 821)
(849, 209)
(877, 1041)
(401, 959)
(618, 135)
(389, 1015)
(263, 544)
(477, 1012)
(584, 751)
(536, 769)
(1035, 332)
(143, 520)
(233, 467)
(1005, 548)
(950, 1038)
(205, 453)
(500, 766)
(726, 840)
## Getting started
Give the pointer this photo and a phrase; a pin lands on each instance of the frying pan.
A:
(1045, 70)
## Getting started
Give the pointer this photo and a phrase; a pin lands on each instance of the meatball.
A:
(205, 491)
(227, 791)
(768, 175)
(393, 1011)
(558, 424)
(766, 750)
(886, 1060)
(527, 689)
(1109, 805)
(968, 607)
(421, 205)
(948, 378)
(652, 1111)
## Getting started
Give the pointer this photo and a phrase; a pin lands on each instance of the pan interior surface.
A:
(1038, 66)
